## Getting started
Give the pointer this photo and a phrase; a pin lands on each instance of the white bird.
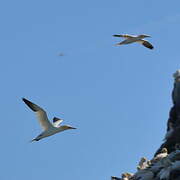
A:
(161, 155)
(49, 128)
(143, 163)
(132, 39)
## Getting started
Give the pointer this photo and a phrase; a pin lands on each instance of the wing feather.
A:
(146, 44)
(123, 35)
(41, 114)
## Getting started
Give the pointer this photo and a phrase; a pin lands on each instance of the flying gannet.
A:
(132, 39)
(48, 127)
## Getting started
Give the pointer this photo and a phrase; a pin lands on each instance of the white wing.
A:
(57, 122)
(41, 114)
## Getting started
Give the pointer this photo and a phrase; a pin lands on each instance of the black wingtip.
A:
(115, 35)
(151, 47)
(29, 104)
(26, 101)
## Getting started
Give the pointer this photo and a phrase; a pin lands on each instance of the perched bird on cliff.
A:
(126, 176)
(132, 39)
(143, 163)
(49, 128)
(163, 153)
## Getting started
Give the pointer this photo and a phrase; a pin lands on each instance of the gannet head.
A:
(164, 150)
(143, 159)
(144, 36)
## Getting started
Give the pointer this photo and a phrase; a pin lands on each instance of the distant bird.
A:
(49, 128)
(143, 163)
(61, 54)
(126, 176)
(132, 39)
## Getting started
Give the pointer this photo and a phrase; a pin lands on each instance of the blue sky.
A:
(118, 97)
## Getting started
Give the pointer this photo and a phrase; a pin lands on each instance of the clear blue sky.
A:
(118, 97)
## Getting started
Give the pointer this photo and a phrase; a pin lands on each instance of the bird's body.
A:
(51, 131)
(132, 39)
(143, 163)
(163, 153)
(49, 128)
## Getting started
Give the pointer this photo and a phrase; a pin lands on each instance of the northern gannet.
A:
(126, 176)
(163, 153)
(143, 163)
(49, 128)
(132, 39)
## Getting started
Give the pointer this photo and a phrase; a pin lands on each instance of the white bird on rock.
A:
(161, 155)
(132, 39)
(49, 128)
(143, 163)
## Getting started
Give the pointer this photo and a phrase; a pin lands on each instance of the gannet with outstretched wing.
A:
(132, 39)
(49, 128)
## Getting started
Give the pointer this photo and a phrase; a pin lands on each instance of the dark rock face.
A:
(166, 162)
(174, 175)
(174, 118)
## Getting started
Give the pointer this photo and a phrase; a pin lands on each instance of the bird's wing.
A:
(123, 35)
(146, 44)
(57, 122)
(124, 42)
(41, 114)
